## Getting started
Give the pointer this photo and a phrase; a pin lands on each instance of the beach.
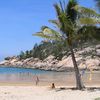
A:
(45, 93)
(22, 86)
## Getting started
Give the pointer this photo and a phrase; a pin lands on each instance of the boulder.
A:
(4, 62)
(98, 52)
(98, 46)
(49, 59)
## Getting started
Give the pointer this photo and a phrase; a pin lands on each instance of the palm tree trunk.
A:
(79, 84)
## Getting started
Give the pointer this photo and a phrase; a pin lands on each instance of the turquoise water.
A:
(11, 70)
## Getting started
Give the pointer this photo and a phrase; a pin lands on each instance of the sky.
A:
(19, 19)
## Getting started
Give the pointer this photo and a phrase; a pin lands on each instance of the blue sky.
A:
(19, 19)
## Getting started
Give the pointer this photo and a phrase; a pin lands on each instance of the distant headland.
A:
(89, 58)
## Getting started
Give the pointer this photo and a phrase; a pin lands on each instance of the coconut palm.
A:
(66, 30)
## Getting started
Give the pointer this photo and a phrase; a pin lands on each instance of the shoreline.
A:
(29, 67)
(21, 67)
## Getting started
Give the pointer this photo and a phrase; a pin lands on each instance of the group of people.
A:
(87, 67)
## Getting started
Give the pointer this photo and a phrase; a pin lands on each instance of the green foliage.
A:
(88, 21)
(22, 55)
(89, 33)
(7, 58)
(86, 11)
(71, 12)
(49, 34)
(87, 16)
(44, 49)
(66, 23)
(67, 28)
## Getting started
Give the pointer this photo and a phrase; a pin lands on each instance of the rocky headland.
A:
(88, 57)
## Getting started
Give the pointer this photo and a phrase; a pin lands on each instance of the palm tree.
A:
(66, 31)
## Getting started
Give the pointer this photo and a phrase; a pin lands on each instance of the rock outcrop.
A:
(89, 57)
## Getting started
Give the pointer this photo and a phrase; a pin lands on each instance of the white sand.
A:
(44, 93)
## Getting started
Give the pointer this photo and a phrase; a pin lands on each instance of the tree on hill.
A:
(45, 49)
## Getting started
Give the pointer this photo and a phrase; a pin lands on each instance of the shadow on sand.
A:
(90, 89)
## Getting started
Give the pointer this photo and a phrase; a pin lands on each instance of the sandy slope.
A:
(44, 93)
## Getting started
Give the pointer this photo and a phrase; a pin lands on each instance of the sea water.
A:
(25, 75)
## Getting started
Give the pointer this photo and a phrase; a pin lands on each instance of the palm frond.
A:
(90, 21)
(49, 31)
(86, 11)
(71, 12)
(61, 6)
(42, 35)
(56, 23)
(49, 34)
(58, 9)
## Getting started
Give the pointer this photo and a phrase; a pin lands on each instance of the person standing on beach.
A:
(83, 72)
(36, 79)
